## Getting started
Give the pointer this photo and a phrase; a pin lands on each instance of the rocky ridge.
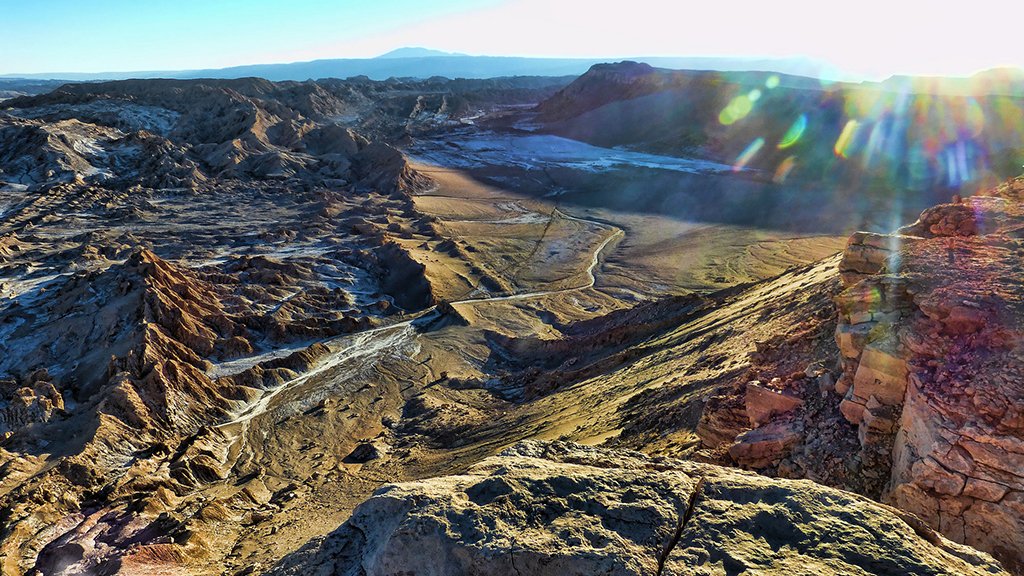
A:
(192, 133)
(933, 352)
(187, 135)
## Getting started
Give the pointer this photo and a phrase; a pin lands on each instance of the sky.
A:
(862, 38)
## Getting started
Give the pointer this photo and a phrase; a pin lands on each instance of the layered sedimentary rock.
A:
(933, 351)
(929, 351)
(563, 508)
(143, 327)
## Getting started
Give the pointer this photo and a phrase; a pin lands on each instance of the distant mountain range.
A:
(425, 63)
(417, 52)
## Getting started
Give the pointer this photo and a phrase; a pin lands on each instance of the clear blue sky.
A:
(128, 35)
(873, 38)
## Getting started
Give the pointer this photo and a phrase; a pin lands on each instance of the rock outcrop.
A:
(929, 356)
(563, 508)
(932, 342)
(140, 330)
(22, 405)
(137, 340)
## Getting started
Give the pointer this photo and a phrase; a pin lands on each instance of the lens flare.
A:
(783, 170)
(960, 161)
(842, 147)
(875, 143)
(975, 118)
(748, 154)
(916, 159)
(894, 241)
(908, 136)
(792, 136)
(962, 154)
(737, 110)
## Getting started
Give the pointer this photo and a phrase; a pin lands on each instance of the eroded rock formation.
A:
(929, 372)
(933, 353)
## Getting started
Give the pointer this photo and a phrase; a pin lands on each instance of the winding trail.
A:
(595, 261)
(378, 340)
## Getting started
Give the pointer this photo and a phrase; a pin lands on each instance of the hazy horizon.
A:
(873, 41)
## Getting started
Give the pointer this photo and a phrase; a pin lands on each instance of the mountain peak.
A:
(416, 52)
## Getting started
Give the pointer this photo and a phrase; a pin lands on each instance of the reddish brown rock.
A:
(763, 402)
(938, 373)
(765, 446)
(867, 253)
(723, 418)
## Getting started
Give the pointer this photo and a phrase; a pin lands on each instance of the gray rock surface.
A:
(562, 508)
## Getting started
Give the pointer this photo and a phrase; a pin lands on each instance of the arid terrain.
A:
(431, 327)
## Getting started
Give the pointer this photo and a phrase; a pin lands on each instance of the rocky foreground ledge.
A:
(561, 508)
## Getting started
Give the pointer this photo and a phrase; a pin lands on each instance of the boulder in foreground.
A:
(561, 508)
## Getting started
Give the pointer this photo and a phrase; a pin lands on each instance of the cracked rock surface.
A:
(562, 508)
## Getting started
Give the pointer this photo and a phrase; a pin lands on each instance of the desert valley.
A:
(633, 321)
